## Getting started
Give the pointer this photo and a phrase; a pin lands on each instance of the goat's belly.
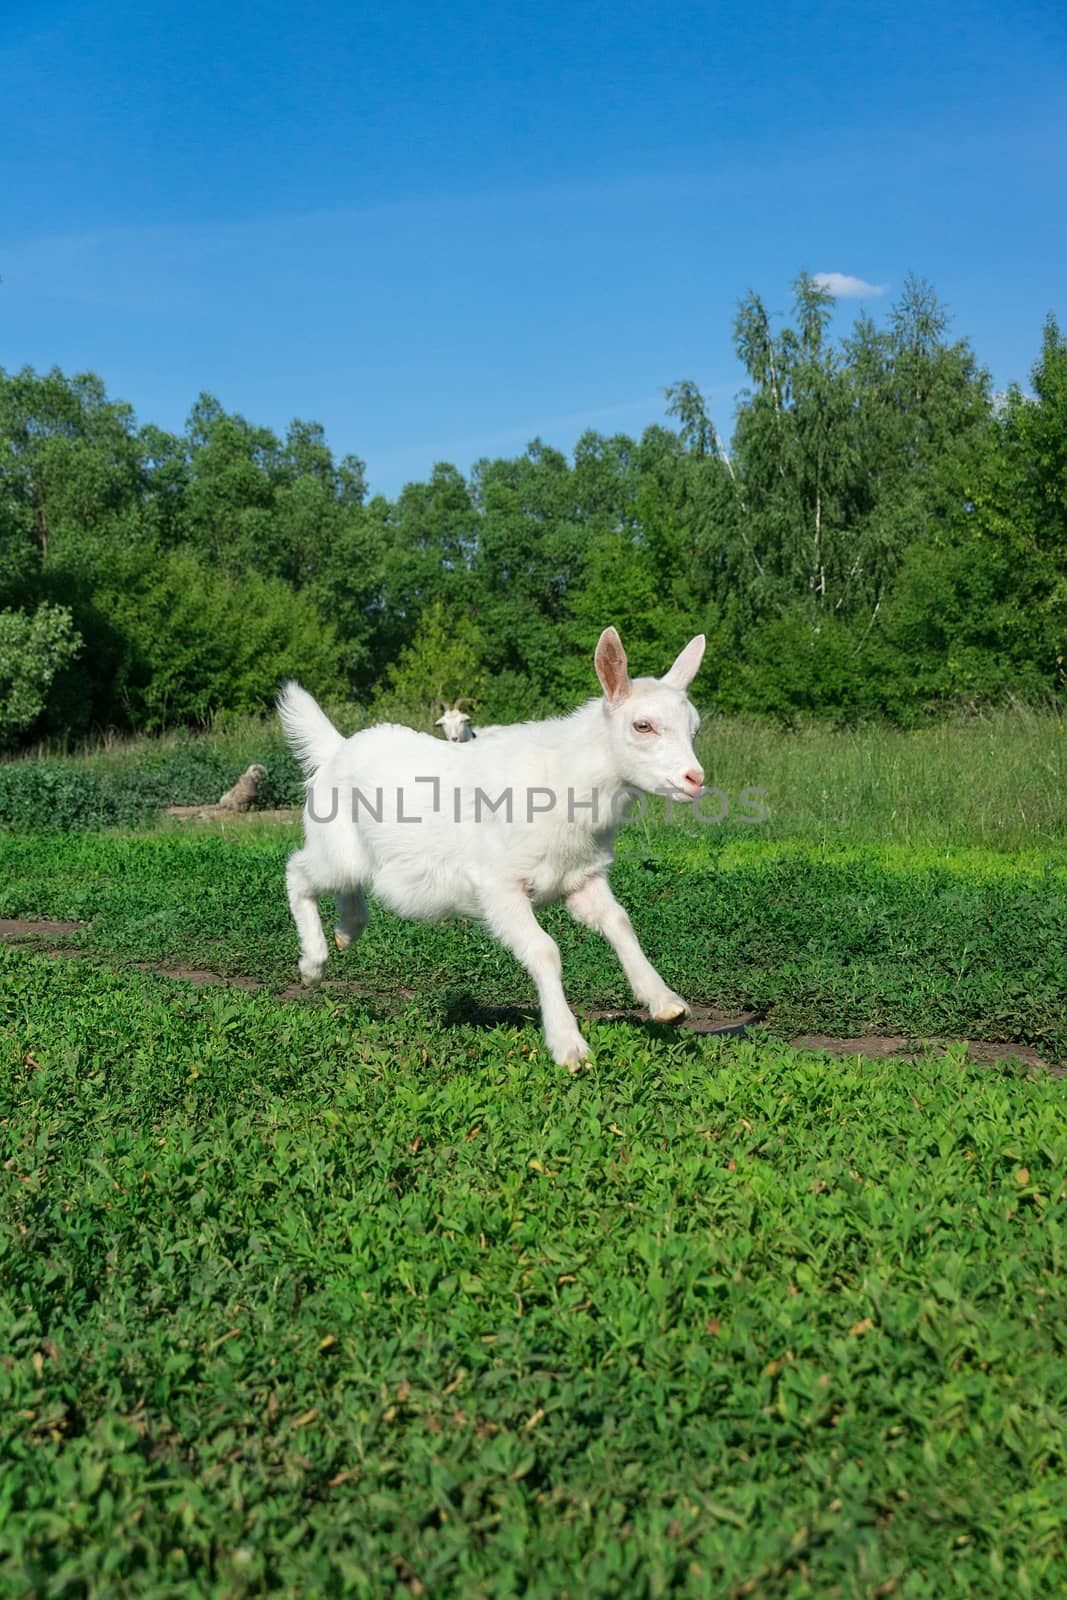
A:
(425, 896)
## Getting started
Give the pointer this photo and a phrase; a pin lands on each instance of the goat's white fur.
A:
(485, 864)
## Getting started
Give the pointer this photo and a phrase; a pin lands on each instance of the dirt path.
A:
(704, 1020)
(224, 814)
(14, 929)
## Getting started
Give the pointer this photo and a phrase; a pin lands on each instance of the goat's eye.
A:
(643, 727)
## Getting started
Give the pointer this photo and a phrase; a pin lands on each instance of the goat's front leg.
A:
(510, 917)
(596, 907)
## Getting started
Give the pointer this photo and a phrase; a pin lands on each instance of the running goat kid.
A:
(492, 830)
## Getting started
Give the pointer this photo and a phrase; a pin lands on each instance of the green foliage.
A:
(967, 625)
(877, 522)
(69, 467)
(33, 649)
(197, 641)
(61, 796)
(839, 452)
(797, 670)
(360, 1294)
(444, 658)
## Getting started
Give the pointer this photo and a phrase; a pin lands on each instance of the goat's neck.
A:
(583, 765)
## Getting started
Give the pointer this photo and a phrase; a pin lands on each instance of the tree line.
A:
(881, 535)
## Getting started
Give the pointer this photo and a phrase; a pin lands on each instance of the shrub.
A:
(197, 640)
(129, 789)
(33, 649)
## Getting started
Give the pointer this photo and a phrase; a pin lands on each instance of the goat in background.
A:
(451, 849)
(456, 723)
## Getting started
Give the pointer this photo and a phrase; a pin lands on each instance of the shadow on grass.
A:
(461, 1009)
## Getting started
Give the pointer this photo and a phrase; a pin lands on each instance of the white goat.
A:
(456, 723)
(451, 846)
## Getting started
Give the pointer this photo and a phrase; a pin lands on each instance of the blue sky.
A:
(442, 230)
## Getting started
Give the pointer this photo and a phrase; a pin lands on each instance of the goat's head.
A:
(650, 721)
(454, 722)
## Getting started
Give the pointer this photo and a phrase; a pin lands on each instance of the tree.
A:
(980, 607)
(196, 641)
(429, 539)
(70, 468)
(797, 459)
(532, 543)
(444, 657)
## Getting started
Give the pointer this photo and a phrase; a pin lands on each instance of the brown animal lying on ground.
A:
(243, 794)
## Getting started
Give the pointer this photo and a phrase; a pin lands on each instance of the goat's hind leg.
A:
(352, 917)
(304, 904)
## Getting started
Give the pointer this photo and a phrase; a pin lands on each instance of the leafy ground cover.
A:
(301, 1300)
(359, 1294)
(957, 944)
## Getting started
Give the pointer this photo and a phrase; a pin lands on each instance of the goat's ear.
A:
(440, 722)
(610, 661)
(687, 665)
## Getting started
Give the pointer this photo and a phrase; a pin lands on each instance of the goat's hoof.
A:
(572, 1055)
(341, 940)
(310, 975)
(672, 1008)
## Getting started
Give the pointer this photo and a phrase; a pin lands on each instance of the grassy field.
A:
(358, 1294)
(996, 782)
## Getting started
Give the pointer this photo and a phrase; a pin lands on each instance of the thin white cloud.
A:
(844, 287)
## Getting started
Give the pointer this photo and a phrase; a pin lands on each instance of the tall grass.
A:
(998, 782)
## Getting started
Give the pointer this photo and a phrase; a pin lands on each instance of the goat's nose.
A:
(694, 781)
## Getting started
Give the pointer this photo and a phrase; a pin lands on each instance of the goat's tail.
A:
(312, 735)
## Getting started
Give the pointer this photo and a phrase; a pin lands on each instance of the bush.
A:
(60, 794)
(130, 788)
(972, 624)
(33, 649)
(197, 641)
(790, 671)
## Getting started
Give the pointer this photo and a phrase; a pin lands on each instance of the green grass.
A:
(297, 1300)
(845, 943)
(359, 1294)
(997, 782)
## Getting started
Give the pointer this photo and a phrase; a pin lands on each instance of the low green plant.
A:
(951, 944)
(319, 1299)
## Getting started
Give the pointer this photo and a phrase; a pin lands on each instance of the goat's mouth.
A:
(686, 790)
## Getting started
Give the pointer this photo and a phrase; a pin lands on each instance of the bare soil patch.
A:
(703, 1019)
(223, 814)
(199, 977)
(12, 929)
(984, 1053)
